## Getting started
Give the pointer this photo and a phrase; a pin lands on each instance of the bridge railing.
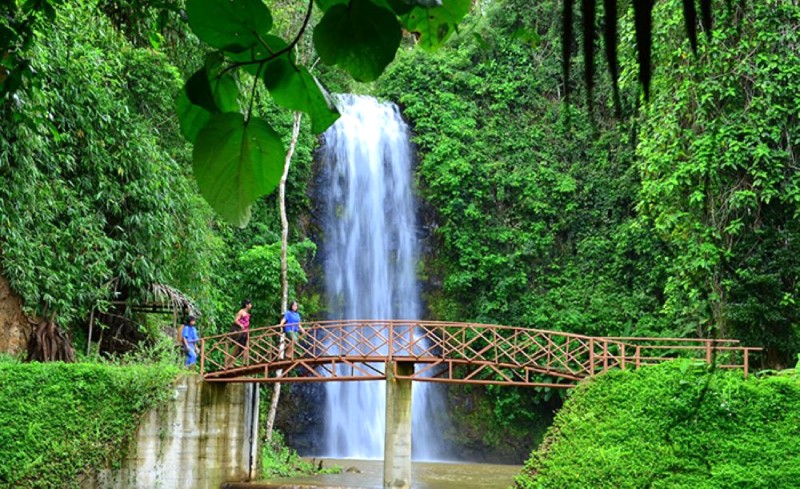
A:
(445, 352)
(724, 353)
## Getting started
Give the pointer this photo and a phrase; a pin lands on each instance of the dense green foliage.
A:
(717, 155)
(59, 422)
(95, 186)
(675, 425)
(532, 203)
(359, 36)
(260, 273)
(98, 200)
(279, 460)
(676, 221)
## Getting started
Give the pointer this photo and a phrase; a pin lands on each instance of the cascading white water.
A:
(370, 254)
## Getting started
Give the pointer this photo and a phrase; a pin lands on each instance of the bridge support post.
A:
(397, 446)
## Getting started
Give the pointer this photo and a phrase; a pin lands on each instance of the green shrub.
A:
(60, 422)
(676, 425)
(279, 460)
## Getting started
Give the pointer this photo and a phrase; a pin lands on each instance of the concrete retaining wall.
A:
(200, 440)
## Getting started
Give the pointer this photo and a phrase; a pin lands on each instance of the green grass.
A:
(676, 425)
(60, 422)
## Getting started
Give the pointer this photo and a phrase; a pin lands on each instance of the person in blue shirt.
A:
(292, 327)
(190, 340)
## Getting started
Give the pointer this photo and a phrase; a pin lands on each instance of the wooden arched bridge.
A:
(404, 351)
(443, 352)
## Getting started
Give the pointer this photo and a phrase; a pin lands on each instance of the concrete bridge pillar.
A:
(397, 447)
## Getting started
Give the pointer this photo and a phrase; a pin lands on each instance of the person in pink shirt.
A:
(242, 324)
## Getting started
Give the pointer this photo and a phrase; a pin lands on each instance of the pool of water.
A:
(368, 474)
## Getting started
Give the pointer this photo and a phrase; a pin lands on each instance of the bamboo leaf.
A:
(643, 19)
(588, 13)
(566, 43)
(610, 41)
(690, 16)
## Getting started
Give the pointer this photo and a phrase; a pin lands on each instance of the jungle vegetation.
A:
(674, 218)
(60, 424)
(607, 214)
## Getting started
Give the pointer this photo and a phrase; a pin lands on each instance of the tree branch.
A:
(281, 52)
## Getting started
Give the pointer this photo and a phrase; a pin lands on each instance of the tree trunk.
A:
(49, 343)
(276, 393)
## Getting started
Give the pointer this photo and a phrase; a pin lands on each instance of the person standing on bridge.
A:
(190, 339)
(291, 326)
(241, 323)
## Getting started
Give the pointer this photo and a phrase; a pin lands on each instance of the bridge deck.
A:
(444, 352)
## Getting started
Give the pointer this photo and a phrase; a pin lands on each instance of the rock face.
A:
(14, 326)
(201, 439)
(300, 417)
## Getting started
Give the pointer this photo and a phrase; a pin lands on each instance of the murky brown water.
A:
(424, 476)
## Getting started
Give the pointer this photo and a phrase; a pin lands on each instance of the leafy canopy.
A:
(359, 36)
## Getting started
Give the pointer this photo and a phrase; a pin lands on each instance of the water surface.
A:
(425, 475)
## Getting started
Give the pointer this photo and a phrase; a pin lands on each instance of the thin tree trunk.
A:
(276, 393)
(89, 340)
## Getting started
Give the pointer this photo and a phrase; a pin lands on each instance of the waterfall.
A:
(370, 256)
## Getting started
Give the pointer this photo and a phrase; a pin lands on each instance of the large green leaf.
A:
(435, 24)
(192, 117)
(213, 93)
(235, 162)
(230, 25)
(293, 87)
(274, 44)
(398, 6)
(203, 95)
(360, 37)
(324, 5)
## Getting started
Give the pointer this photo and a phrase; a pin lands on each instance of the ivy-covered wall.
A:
(61, 423)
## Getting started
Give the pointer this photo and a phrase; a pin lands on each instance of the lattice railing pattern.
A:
(444, 352)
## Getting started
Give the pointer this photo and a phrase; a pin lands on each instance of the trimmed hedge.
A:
(60, 422)
(675, 425)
